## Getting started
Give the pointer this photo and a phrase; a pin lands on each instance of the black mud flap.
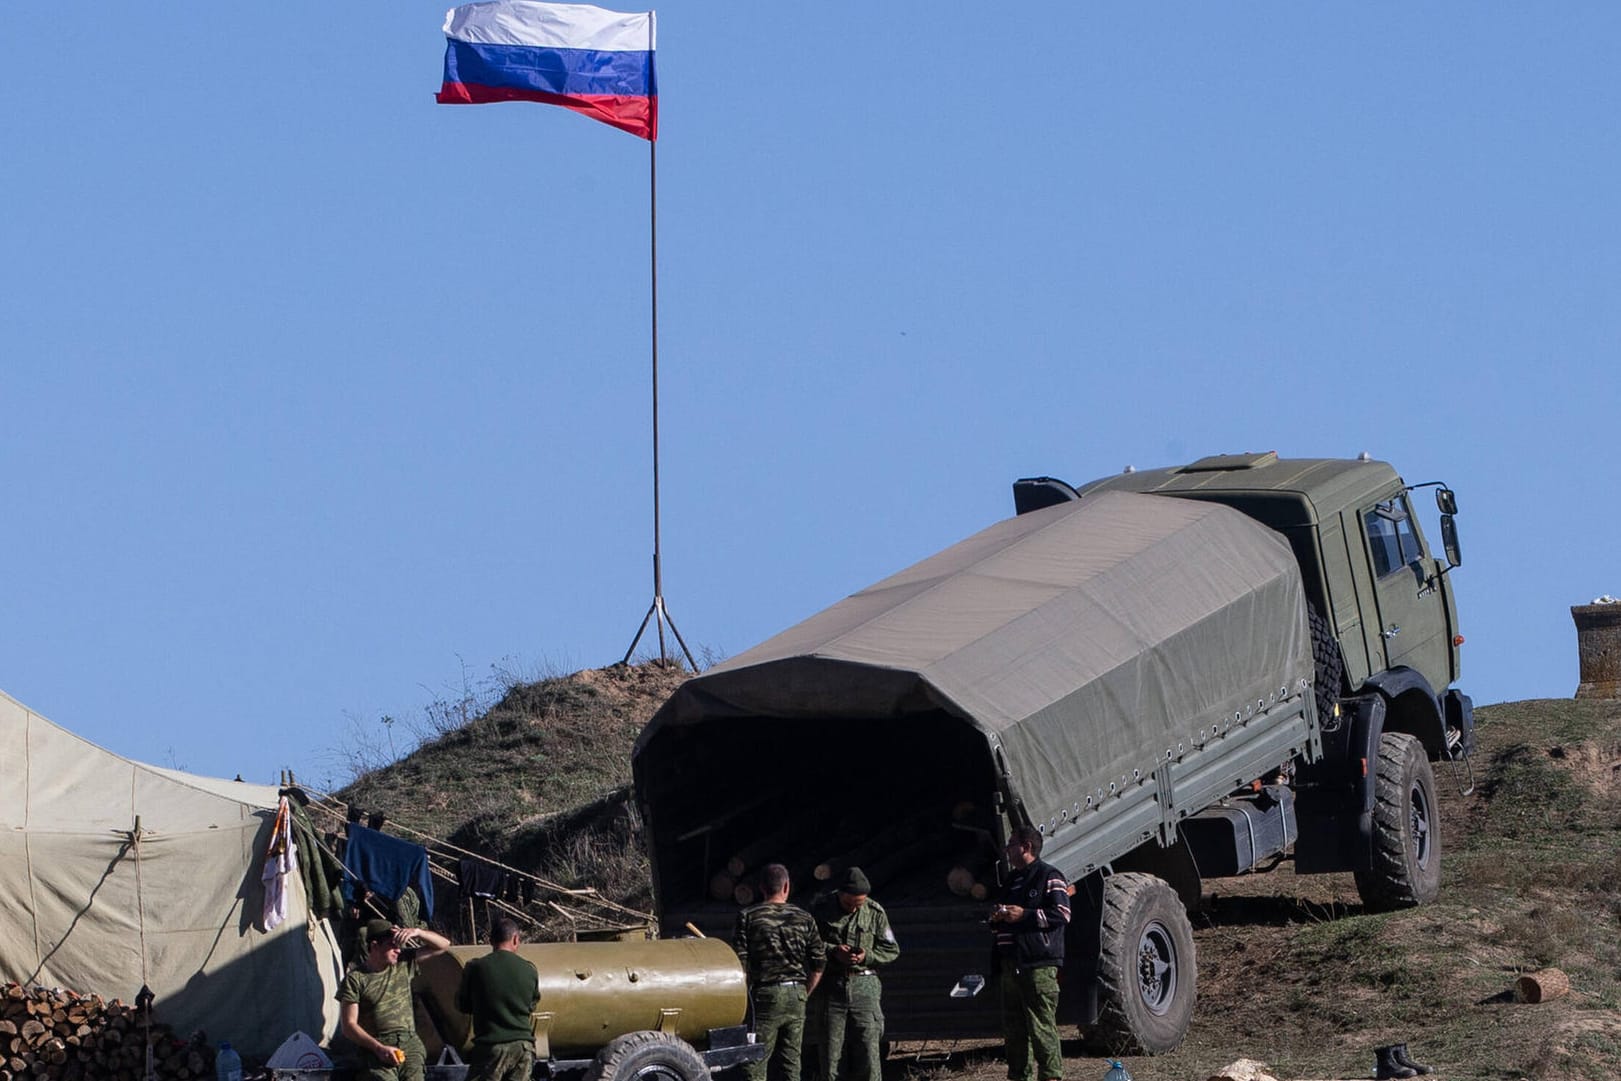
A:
(1334, 797)
(731, 1046)
(1078, 980)
(1459, 710)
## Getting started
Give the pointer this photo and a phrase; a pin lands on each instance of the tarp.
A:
(1082, 640)
(83, 907)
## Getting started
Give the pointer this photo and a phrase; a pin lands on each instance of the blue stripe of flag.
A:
(554, 71)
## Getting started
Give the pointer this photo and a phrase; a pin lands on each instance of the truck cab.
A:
(1368, 571)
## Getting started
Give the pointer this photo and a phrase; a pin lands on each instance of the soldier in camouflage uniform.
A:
(375, 1011)
(783, 956)
(855, 931)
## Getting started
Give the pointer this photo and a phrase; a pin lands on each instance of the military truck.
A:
(1174, 674)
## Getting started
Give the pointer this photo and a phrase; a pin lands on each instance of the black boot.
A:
(1399, 1053)
(1386, 1066)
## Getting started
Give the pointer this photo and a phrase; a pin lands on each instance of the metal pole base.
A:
(657, 609)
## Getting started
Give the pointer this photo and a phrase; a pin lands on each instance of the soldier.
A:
(374, 999)
(855, 931)
(782, 954)
(1029, 922)
(499, 992)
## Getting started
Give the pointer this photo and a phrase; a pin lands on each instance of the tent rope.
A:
(140, 895)
(144, 999)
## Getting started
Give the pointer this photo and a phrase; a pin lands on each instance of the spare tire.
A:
(1328, 679)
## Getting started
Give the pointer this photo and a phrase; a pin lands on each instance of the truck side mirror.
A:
(1449, 538)
(1446, 501)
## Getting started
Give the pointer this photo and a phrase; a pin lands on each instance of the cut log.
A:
(721, 886)
(1542, 985)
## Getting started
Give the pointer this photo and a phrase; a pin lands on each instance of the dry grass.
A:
(1293, 973)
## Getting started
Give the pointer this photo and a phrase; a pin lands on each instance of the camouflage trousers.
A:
(514, 1061)
(779, 1024)
(1030, 1023)
(412, 1069)
(852, 1029)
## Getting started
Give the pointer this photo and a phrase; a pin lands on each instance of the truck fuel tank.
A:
(591, 992)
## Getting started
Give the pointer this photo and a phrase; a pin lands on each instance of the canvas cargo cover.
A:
(79, 910)
(1082, 640)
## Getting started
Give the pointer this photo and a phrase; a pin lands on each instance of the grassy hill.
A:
(1292, 971)
(540, 780)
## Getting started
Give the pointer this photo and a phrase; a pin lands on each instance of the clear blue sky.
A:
(318, 395)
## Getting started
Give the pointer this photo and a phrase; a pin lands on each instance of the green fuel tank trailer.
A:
(594, 992)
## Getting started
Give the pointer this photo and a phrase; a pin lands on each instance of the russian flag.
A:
(596, 62)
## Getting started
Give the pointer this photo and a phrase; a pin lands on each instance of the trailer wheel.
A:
(1147, 972)
(648, 1056)
(1406, 867)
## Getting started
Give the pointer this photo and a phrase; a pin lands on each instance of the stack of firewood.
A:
(63, 1035)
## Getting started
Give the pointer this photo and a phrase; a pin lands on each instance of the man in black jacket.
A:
(1029, 921)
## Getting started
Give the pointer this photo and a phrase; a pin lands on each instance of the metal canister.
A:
(591, 992)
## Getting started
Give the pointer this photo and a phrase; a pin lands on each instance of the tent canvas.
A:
(85, 907)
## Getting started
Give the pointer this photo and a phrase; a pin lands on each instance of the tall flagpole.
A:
(656, 611)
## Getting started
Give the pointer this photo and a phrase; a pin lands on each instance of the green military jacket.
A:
(866, 930)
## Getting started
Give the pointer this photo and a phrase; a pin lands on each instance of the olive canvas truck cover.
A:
(1113, 663)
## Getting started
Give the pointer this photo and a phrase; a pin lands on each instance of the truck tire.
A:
(647, 1056)
(1406, 867)
(1328, 678)
(1147, 971)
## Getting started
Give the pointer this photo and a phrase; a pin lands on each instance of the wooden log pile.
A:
(66, 1036)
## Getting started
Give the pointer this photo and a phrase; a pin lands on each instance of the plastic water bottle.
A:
(1116, 1072)
(227, 1064)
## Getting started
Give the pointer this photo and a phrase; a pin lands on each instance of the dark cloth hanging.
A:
(479, 879)
(319, 868)
(386, 866)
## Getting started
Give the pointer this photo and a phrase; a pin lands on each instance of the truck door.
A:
(1412, 612)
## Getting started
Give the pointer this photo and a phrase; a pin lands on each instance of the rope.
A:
(140, 896)
(587, 894)
(140, 913)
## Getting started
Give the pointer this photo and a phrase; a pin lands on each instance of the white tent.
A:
(86, 906)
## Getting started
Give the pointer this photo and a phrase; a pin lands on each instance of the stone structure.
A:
(1598, 643)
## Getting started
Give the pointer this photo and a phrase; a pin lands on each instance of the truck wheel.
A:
(1146, 967)
(1406, 829)
(648, 1056)
(1329, 666)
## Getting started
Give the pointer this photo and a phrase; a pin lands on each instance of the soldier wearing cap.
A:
(782, 953)
(374, 999)
(855, 931)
